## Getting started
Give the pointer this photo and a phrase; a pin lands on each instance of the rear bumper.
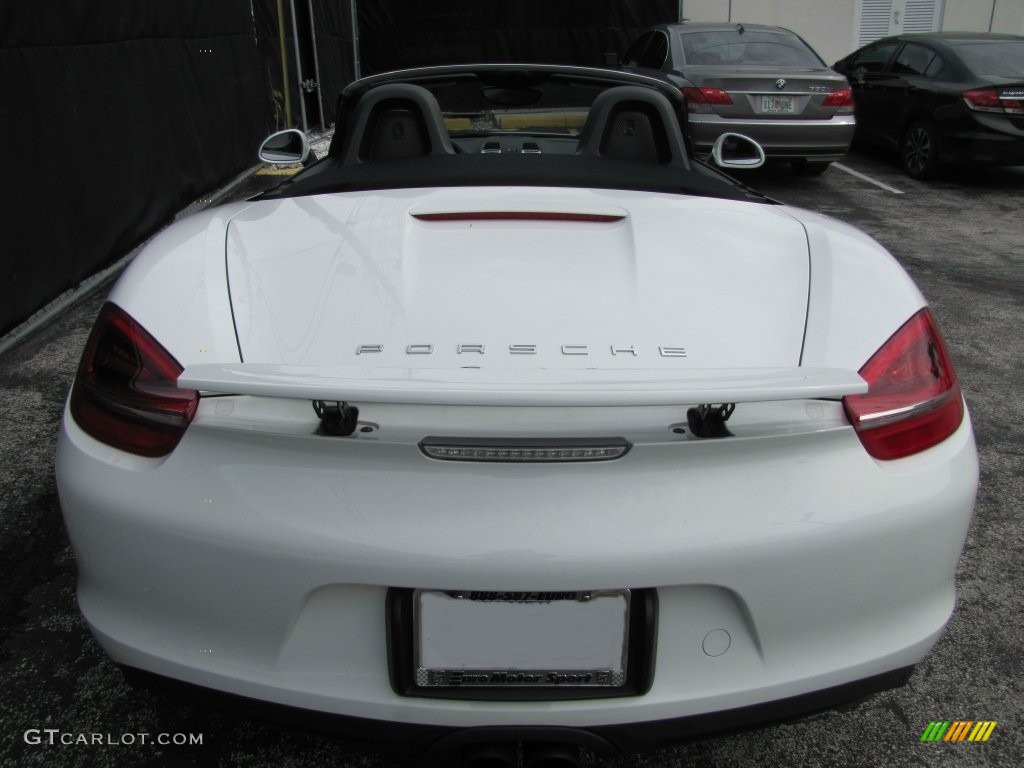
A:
(818, 140)
(983, 147)
(980, 138)
(260, 565)
(444, 743)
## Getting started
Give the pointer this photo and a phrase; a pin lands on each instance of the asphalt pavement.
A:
(961, 238)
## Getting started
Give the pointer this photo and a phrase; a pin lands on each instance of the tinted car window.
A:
(635, 52)
(874, 58)
(1002, 59)
(656, 52)
(734, 47)
(915, 59)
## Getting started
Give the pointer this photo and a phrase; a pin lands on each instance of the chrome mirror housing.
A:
(285, 148)
(734, 150)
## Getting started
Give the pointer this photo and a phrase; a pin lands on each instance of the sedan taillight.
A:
(841, 99)
(989, 100)
(126, 392)
(703, 100)
(913, 400)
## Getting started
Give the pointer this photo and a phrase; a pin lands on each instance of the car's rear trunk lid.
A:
(603, 279)
(770, 92)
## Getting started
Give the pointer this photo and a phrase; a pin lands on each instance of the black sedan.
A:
(952, 97)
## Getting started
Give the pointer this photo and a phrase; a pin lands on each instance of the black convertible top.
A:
(511, 125)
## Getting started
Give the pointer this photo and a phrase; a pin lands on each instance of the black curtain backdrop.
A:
(394, 34)
(334, 49)
(332, 22)
(115, 115)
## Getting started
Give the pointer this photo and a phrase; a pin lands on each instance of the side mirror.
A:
(285, 148)
(734, 150)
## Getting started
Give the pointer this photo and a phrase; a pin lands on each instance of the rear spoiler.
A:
(527, 387)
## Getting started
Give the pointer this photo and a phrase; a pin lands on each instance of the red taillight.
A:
(702, 99)
(989, 100)
(913, 400)
(841, 97)
(126, 392)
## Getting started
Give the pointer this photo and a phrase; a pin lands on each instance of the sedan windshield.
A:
(734, 47)
(994, 59)
(554, 106)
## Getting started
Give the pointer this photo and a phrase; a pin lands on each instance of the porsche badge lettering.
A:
(568, 350)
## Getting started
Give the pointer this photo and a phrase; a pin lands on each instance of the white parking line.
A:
(868, 179)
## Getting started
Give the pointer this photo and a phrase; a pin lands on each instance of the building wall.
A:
(827, 25)
(975, 15)
(830, 26)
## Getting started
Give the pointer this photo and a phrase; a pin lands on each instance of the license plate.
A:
(782, 105)
(521, 639)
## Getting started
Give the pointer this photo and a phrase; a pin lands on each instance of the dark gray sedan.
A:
(765, 82)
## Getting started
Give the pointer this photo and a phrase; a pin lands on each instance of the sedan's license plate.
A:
(782, 105)
(521, 639)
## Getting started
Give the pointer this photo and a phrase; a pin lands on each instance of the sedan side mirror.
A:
(734, 150)
(285, 148)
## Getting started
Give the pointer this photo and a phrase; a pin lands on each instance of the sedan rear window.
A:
(1000, 59)
(732, 47)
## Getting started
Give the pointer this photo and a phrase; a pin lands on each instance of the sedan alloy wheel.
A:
(919, 151)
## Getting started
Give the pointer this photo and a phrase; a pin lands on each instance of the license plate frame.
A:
(515, 639)
(404, 658)
(778, 105)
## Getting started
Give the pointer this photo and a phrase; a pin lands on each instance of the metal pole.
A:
(992, 16)
(298, 68)
(355, 39)
(316, 67)
(284, 65)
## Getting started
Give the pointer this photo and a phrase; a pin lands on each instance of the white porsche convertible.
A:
(509, 422)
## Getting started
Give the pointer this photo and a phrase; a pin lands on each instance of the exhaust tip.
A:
(550, 755)
(490, 755)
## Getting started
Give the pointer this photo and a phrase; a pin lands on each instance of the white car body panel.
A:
(178, 287)
(361, 270)
(859, 294)
(302, 535)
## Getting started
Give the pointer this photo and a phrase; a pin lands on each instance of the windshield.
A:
(730, 46)
(552, 108)
(1004, 58)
